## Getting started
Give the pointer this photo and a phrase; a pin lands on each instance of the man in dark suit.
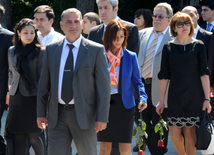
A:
(75, 76)
(211, 67)
(208, 15)
(108, 11)
(199, 33)
(5, 42)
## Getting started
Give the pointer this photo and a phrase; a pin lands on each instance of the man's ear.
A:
(94, 23)
(51, 21)
(61, 25)
(198, 16)
(116, 9)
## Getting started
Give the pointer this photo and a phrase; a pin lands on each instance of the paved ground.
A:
(171, 149)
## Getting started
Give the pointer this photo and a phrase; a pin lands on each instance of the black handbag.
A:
(204, 132)
(9, 139)
(2, 146)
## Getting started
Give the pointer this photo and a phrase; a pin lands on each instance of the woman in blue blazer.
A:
(125, 75)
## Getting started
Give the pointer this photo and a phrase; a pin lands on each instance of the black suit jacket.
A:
(205, 37)
(5, 42)
(211, 60)
(133, 42)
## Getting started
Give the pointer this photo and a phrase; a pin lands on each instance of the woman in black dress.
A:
(124, 73)
(25, 62)
(184, 64)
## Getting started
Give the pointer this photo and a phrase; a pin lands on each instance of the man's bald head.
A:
(193, 13)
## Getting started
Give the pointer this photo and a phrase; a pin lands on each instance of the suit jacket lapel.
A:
(166, 38)
(100, 33)
(81, 53)
(58, 55)
(199, 35)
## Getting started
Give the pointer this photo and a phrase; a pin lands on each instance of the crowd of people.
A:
(94, 81)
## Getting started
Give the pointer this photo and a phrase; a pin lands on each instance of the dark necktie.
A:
(67, 92)
(208, 26)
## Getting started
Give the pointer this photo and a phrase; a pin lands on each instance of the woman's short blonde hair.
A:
(179, 16)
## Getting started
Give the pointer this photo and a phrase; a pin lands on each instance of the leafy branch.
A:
(159, 127)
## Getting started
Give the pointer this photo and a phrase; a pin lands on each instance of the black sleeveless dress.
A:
(184, 65)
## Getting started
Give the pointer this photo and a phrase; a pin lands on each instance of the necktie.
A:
(67, 92)
(208, 26)
(147, 66)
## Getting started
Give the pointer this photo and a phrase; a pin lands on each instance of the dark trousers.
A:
(3, 105)
(151, 118)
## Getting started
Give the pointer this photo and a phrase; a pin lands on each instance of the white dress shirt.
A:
(195, 32)
(160, 38)
(51, 37)
(65, 51)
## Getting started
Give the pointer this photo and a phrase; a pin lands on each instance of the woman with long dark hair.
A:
(25, 62)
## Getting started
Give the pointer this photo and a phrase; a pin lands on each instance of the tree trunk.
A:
(85, 5)
(7, 17)
(194, 2)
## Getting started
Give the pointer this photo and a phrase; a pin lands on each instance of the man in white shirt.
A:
(208, 15)
(44, 18)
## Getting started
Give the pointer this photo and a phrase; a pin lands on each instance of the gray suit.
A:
(153, 91)
(91, 89)
(16, 81)
(144, 39)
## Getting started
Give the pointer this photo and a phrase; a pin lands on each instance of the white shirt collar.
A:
(163, 32)
(196, 30)
(40, 34)
(76, 43)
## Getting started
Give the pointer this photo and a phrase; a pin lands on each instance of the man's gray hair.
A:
(114, 3)
(71, 10)
(168, 8)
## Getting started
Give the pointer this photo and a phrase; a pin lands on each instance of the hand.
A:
(7, 98)
(99, 126)
(142, 106)
(206, 105)
(211, 92)
(42, 122)
(160, 108)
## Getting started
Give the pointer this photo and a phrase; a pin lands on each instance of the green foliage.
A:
(140, 132)
(159, 127)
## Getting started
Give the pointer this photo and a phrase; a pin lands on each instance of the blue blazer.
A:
(130, 77)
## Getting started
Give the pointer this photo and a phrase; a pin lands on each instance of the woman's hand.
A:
(206, 105)
(142, 106)
(211, 92)
(7, 98)
(160, 108)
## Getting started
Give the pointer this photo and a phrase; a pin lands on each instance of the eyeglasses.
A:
(27, 20)
(181, 24)
(159, 16)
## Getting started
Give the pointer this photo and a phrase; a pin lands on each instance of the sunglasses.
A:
(181, 24)
(27, 20)
(159, 16)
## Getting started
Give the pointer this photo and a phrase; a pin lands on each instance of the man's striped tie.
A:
(147, 66)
